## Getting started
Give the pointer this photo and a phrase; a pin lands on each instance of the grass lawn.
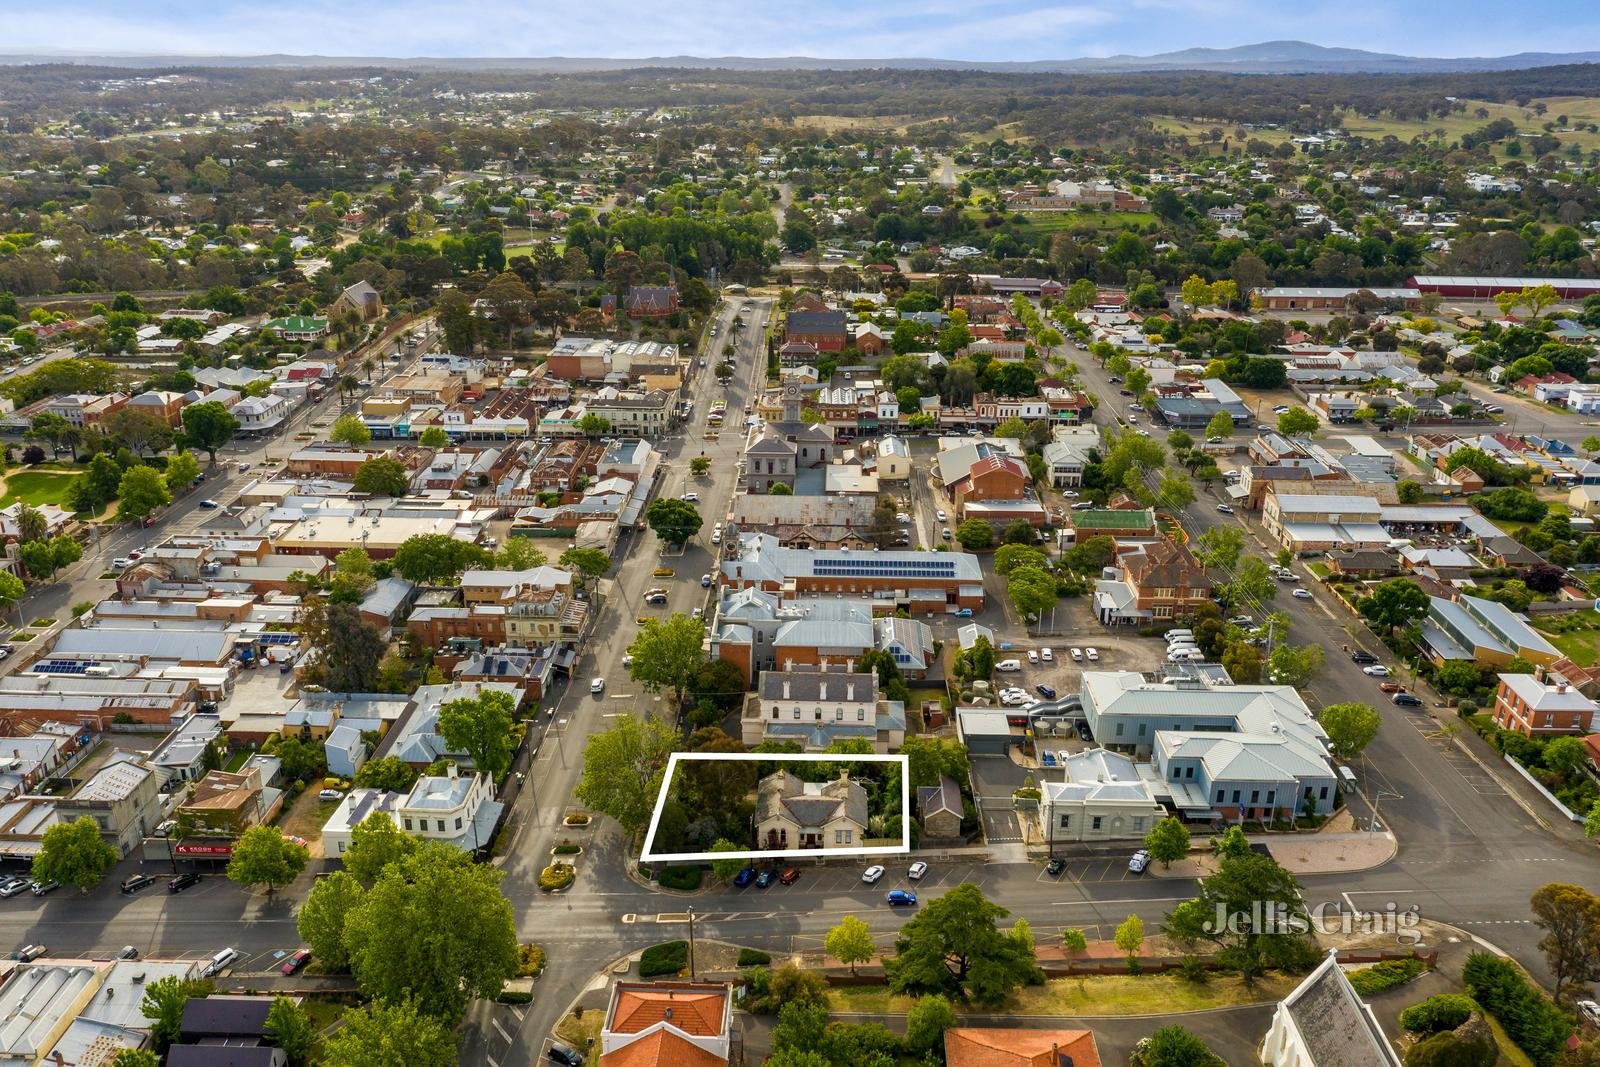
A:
(236, 761)
(38, 487)
(323, 1011)
(582, 1034)
(305, 817)
(1510, 1054)
(1096, 995)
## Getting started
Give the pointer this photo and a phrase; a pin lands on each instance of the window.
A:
(797, 714)
(838, 714)
(861, 715)
(1141, 729)
(1119, 728)
(1096, 824)
(1188, 772)
(458, 822)
(1255, 795)
(408, 824)
(441, 825)
(1272, 795)
(1066, 820)
(1324, 793)
(1138, 823)
(1219, 797)
(1236, 796)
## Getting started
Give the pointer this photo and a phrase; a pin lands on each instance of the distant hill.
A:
(1268, 57)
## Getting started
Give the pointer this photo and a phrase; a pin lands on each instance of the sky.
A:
(854, 29)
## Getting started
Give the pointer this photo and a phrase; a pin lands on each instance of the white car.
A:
(1302, 594)
(122, 563)
(1047, 655)
(1092, 655)
(942, 516)
(597, 686)
(918, 869)
(872, 874)
(902, 517)
(1376, 670)
(1033, 656)
(691, 497)
(1139, 862)
(1008, 665)
(1076, 654)
(716, 539)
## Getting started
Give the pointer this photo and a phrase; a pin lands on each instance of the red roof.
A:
(661, 1049)
(982, 1046)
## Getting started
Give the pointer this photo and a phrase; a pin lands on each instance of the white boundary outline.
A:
(647, 856)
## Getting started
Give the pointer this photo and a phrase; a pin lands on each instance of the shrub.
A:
(1072, 939)
(1388, 974)
(82, 608)
(1445, 1011)
(1471, 1046)
(686, 878)
(668, 958)
(557, 876)
(1534, 1024)
(530, 960)
(42, 622)
(753, 957)
(514, 996)
(1193, 969)
(567, 848)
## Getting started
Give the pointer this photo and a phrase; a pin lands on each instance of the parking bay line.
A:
(1126, 900)
(502, 1032)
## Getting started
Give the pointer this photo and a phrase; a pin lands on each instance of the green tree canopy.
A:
(850, 942)
(163, 1005)
(263, 856)
(1393, 604)
(74, 853)
(382, 476)
(480, 726)
(321, 918)
(954, 945)
(349, 430)
(375, 843)
(1350, 728)
(667, 653)
(141, 491)
(208, 426)
(390, 774)
(1239, 884)
(1167, 840)
(622, 769)
(391, 1034)
(673, 520)
(182, 470)
(435, 559)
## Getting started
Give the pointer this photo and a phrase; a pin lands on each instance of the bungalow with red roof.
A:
(667, 1024)
(986, 1046)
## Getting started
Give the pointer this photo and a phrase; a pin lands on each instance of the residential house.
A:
(893, 459)
(261, 414)
(1157, 582)
(1541, 705)
(657, 1024)
(1305, 523)
(992, 479)
(225, 1031)
(1482, 631)
(1067, 454)
(990, 1046)
(298, 328)
(818, 706)
(344, 750)
(1325, 1023)
(795, 814)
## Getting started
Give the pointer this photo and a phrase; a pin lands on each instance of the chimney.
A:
(1561, 687)
(850, 690)
(786, 689)
(822, 690)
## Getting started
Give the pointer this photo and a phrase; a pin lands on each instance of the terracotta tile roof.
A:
(694, 1010)
(981, 1046)
(663, 1049)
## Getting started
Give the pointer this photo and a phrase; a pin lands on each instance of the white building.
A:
(1101, 797)
(258, 414)
(1325, 1023)
(457, 810)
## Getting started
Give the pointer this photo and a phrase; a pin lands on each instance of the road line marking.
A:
(502, 1032)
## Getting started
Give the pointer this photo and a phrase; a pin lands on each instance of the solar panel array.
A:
(876, 566)
(64, 666)
(275, 637)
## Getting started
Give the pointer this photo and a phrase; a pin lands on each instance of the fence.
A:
(1551, 797)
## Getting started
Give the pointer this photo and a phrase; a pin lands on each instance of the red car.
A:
(1391, 687)
(790, 875)
(298, 959)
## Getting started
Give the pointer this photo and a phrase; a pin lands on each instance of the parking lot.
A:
(1094, 870)
(840, 878)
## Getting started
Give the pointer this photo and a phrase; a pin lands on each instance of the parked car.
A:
(1243, 620)
(902, 898)
(567, 1057)
(128, 953)
(1033, 656)
(1139, 862)
(29, 953)
(1046, 691)
(41, 888)
(691, 496)
(744, 877)
(13, 885)
(941, 515)
(1302, 594)
(330, 795)
(122, 563)
(663, 572)
(1076, 654)
(705, 581)
(221, 962)
(1362, 656)
(790, 876)
(1047, 655)
(1376, 670)
(1391, 687)
(1224, 509)
(1588, 1011)
(136, 882)
(918, 869)
(598, 685)
(208, 504)
(1407, 700)
(872, 874)
(1055, 867)
(1092, 655)
(183, 881)
(1008, 665)
(765, 877)
(963, 613)
(945, 533)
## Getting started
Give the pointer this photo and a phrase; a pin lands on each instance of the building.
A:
(792, 814)
(261, 414)
(824, 330)
(651, 301)
(1486, 287)
(1325, 1023)
(991, 478)
(39, 1002)
(922, 582)
(819, 706)
(893, 459)
(1482, 631)
(298, 328)
(667, 1024)
(231, 802)
(1100, 797)
(225, 1031)
(456, 810)
(781, 449)
(1332, 297)
(123, 798)
(1157, 582)
(646, 414)
(1541, 705)
(1305, 523)
(756, 631)
(940, 809)
(1067, 454)
(362, 300)
(988, 1046)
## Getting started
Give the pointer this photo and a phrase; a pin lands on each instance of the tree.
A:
(1591, 443)
(622, 769)
(1569, 915)
(263, 856)
(700, 466)
(434, 437)
(1244, 886)
(1220, 546)
(140, 431)
(975, 534)
(1167, 840)
(182, 470)
(779, 489)
(1008, 558)
(434, 925)
(1031, 589)
(135, 1057)
(1350, 728)
(391, 1034)
(728, 869)
(1221, 425)
(1129, 937)
(11, 589)
(209, 426)
(1292, 665)
(926, 1023)
(1410, 492)
(141, 491)
(1173, 1046)
(1565, 755)
(382, 476)
(589, 562)
(434, 559)
(1298, 422)
(350, 430)
(290, 1028)
(74, 853)
(673, 520)
(375, 843)
(954, 945)
(1175, 491)
(352, 650)
(163, 1005)
(1591, 822)
(1252, 583)
(520, 554)
(667, 653)
(850, 942)
(322, 917)
(1395, 603)
(930, 758)
(481, 727)
(1231, 843)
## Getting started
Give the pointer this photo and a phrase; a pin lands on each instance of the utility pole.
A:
(691, 944)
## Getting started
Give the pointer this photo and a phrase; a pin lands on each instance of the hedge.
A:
(1385, 975)
(1444, 1011)
(680, 877)
(663, 959)
(753, 957)
(1534, 1024)
(557, 876)
(514, 996)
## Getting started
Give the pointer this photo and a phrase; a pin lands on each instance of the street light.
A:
(691, 944)
(1373, 825)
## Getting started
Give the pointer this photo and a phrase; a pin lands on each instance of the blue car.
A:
(765, 878)
(744, 877)
(901, 897)
(964, 613)
(1046, 691)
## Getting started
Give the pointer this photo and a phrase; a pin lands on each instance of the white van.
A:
(1008, 665)
(226, 958)
(1173, 635)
